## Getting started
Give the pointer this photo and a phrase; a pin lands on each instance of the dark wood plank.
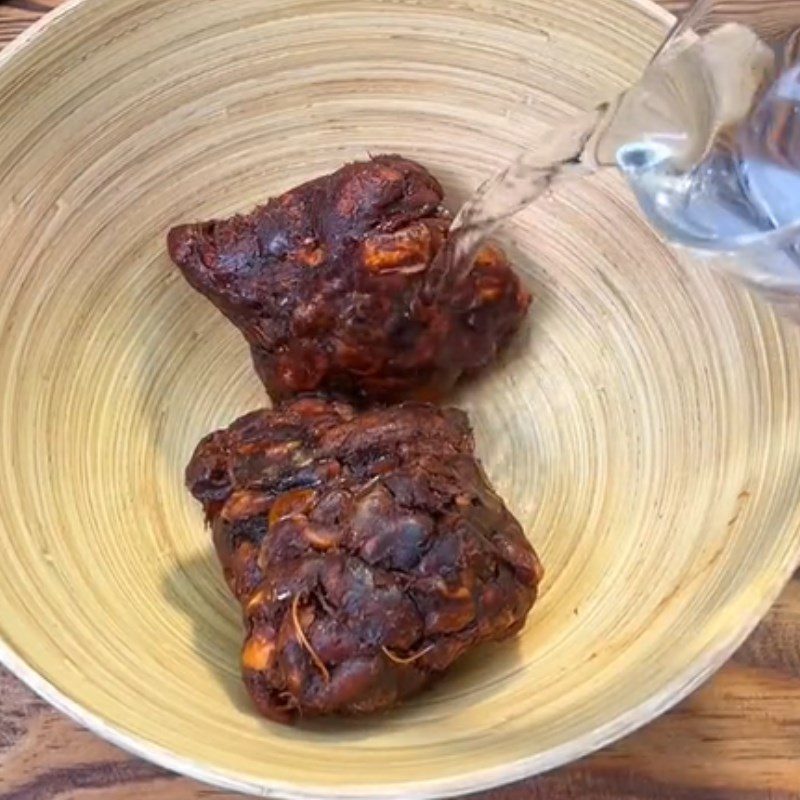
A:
(738, 738)
(16, 15)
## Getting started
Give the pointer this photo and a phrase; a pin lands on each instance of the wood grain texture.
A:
(774, 20)
(16, 15)
(738, 738)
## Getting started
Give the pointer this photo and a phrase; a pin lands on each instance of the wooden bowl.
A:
(645, 427)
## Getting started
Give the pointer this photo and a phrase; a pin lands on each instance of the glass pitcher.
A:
(710, 141)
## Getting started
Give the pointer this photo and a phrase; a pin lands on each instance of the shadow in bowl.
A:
(195, 588)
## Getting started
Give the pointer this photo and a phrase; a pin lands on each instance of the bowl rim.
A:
(694, 674)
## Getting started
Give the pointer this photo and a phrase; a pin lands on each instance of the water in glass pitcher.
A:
(742, 176)
(709, 140)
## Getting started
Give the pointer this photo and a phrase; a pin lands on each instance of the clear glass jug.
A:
(710, 141)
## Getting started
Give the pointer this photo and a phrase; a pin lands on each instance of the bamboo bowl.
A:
(645, 427)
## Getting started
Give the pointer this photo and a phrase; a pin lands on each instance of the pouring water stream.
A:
(677, 121)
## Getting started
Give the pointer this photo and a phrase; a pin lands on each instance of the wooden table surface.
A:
(738, 738)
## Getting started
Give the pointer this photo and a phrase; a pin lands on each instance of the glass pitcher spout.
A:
(708, 139)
